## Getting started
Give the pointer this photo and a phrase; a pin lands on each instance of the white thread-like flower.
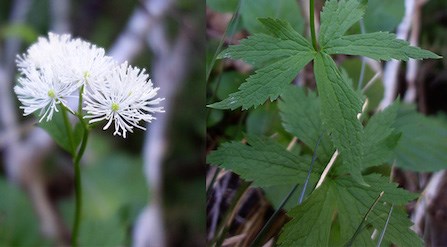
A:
(59, 64)
(55, 68)
(72, 60)
(85, 62)
(40, 89)
(126, 98)
(45, 52)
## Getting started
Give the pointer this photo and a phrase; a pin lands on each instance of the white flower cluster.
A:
(56, 68)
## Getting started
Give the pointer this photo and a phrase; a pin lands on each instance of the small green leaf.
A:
(379, 46)
(57, 130)
(339, 108)
(343, 201)
(263, 161)
(337, 17)
(286, 53)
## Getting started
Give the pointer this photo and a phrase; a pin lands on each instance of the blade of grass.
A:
(365, 218)
(386, 225)
(231, 24)
(314, 156)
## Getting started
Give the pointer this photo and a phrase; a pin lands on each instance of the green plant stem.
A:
(77, 171)
(312, 25)
(78, 188)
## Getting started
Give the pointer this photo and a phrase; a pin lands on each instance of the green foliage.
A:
(338, 17)
(300, 114)
(424, 141)
(348, 202)
(287, 53)
(339, 108)
(21, 31)
(379, 46)
(109, 210)
(263, 161)
(16, 213)
(331, 214)
(287, 10)
(383, 15)
(380, 137)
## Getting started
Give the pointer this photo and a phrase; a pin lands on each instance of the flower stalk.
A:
(312, 25)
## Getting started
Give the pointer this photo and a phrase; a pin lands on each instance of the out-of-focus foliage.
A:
(16, 213)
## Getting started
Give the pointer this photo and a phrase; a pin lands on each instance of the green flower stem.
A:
(78, 188)
(312, 25)
(77, 170)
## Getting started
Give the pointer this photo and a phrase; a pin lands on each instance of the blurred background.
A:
(242, 210)
(145, 190)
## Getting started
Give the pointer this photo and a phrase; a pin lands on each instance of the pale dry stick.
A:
(234, 240)
(371, 81)
(219, 189)
(292, 143)
(327, 169)
(433, 190)
(412, 65)
(392, 67)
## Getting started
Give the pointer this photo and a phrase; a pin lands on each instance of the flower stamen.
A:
(115, 107)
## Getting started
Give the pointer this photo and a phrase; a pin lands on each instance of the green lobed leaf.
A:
(263, 161)
(286, 51)
(379, 46)
(300, 114)
(339, 108)
(380, 137)
(261, 49)
(423, 143)
(337, 17)
(344, 202)
(287, 10)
